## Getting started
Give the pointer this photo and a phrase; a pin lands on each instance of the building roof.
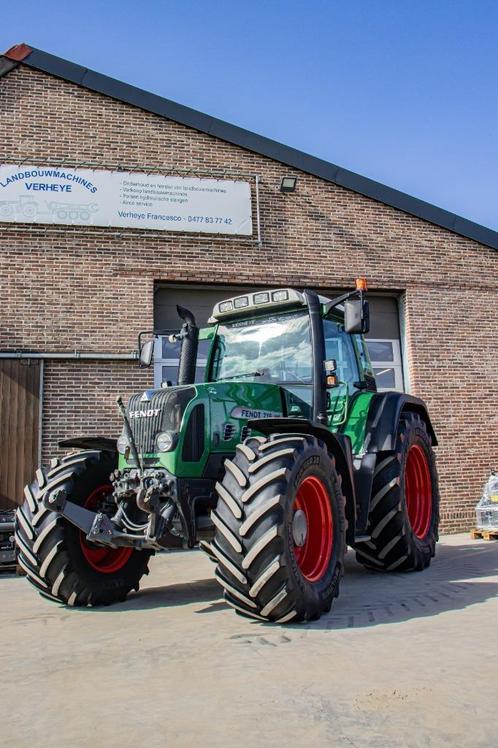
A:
(149, 102)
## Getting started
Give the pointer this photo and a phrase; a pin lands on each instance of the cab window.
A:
(338, 346)
(364, 356)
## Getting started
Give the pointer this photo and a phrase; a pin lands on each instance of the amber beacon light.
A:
(361, 284)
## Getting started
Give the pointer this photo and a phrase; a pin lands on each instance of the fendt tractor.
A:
(282, 456)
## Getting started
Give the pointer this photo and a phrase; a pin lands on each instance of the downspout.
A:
(72, 356)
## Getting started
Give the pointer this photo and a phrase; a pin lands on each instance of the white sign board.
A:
(87, 197)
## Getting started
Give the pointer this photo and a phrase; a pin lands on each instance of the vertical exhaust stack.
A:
(190, 340)
(318, 349)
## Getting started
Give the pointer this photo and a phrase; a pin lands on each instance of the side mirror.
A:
(356, 316)
(146, 353)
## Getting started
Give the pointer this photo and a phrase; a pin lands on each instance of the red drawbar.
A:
(102, 559)
(418, 491)
(314, 556)
(18, 52)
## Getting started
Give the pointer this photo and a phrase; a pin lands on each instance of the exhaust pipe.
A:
(190, 339)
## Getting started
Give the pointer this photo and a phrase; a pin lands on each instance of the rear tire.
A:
(54, 554)
(280, 528)
(404, 515)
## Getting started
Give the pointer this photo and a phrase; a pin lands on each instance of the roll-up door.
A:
(383, 339)
(384, 343)
(200, 301)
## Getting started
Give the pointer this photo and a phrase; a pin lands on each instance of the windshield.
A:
(276, 349)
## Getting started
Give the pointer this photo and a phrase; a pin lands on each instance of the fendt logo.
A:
(144, 413)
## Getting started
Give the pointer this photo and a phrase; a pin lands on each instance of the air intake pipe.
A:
(189, 335)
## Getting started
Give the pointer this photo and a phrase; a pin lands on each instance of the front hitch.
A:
(97, 526)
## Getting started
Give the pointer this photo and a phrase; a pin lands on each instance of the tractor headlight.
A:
(165, 441)
(122, 444)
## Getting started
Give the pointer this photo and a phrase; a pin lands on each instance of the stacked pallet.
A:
(484, 534)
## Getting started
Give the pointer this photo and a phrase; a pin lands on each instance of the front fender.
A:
(101, 443)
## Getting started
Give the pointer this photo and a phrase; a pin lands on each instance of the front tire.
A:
(280, 528)
(404, 510)
(55, 555)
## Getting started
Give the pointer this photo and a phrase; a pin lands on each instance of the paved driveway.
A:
(401, 660)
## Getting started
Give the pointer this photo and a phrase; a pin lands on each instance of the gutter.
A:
(6, 65)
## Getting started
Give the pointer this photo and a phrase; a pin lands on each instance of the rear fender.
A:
(338, 445)
(383, 419)
(384, 415)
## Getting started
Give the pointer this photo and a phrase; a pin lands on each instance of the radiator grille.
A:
(166, 408)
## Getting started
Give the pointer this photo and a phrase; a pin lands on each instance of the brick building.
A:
(74, 297)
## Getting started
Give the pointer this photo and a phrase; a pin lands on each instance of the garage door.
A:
(383, 338)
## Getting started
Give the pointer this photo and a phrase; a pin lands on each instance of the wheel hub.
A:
(299, 528)
(418, 491)
(102, 559)
(312, 528)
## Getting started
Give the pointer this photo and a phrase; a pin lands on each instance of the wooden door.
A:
(20, 388)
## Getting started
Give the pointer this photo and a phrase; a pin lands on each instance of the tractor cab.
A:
(309, 346)
(300, 342)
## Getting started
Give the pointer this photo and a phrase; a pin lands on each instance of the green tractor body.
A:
(282, 456)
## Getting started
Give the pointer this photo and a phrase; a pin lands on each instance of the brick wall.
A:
(92, 289)
(80, 399)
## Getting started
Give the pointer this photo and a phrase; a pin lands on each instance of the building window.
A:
(385, 356)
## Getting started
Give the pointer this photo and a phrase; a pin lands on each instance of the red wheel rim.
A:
(313, 557)
(102, 559)
(418, 491)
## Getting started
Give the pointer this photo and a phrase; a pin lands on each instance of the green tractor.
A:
(282, 457)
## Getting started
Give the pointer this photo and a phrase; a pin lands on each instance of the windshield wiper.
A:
(242, 374)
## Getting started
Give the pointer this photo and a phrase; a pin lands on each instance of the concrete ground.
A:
(401, 660)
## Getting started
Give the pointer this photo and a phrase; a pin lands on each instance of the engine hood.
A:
(206, 419)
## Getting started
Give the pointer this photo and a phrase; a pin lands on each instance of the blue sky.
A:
(401, 91)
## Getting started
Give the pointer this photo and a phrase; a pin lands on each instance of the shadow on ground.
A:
(458, 577)
(185, 593)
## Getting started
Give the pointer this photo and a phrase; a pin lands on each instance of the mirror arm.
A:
(343, 297)
(360, 385)
(151, 332)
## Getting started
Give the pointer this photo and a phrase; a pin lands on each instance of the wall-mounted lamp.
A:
(288, 184)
